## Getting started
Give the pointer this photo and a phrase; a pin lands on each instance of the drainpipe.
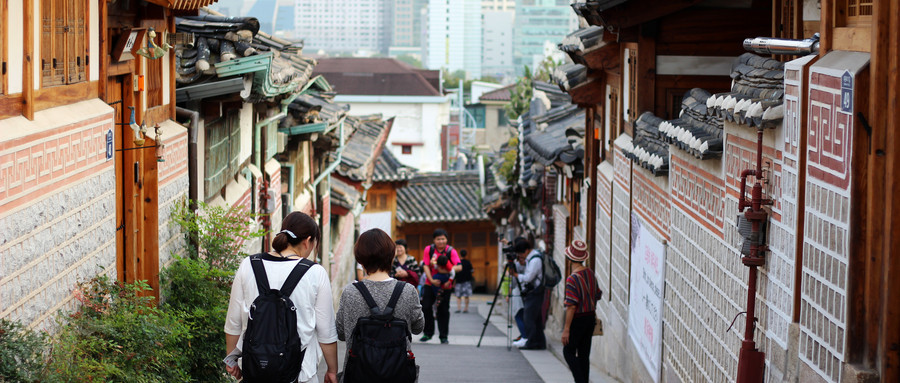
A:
(330, 168)
(259, 125)
(193, 131)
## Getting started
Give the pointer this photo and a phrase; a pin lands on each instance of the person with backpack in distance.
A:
(529, 272)
(377, 317)
(281, 317)
(582, 294)
(429, 297)
(463, 286)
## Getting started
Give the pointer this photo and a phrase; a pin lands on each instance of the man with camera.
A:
(529, 272)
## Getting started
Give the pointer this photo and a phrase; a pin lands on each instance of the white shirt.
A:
(312, 297)
(533, 266)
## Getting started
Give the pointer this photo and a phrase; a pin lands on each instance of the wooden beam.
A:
(890, 331)
(826, 32)
(47, 98)
(857, 39)
(28, 59)
(172, 74)
(10, 106)
(4, 51)
(603, 58)
(103, 56)
(636, 12)
(587, 94)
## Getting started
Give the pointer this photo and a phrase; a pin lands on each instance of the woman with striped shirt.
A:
(582, 294)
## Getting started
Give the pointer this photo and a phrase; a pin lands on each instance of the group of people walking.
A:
(395, 297)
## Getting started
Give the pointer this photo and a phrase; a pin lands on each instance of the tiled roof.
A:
(581, 42)
(388, 168)
(376, 77)
(363, 146)
(441, 197)
(569, 76)
(649, 148)
(343, 194)
(227, 46)
(695, 131)
(558, 137)
(313, 108)
(501, 94)
(757, 93)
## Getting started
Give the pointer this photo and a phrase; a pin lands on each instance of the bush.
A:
(217, 233)
(118, 335)
(20, 353)
(199, 293)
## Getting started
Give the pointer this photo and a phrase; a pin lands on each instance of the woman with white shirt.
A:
(312, 297)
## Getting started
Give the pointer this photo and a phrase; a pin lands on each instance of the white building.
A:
(454, 36)
(344, 25)
(497, 45)
(498, 5)
(411, 96)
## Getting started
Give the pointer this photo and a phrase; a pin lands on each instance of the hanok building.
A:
(683, 120)
(451, 201)
(90, 159)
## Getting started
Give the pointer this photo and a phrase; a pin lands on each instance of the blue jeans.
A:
(520, 323)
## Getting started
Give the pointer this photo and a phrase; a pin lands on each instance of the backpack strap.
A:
(395, 296)
(294, 277)
(259, 271)
(373, 307)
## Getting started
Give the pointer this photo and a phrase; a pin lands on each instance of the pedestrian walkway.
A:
(462, 361)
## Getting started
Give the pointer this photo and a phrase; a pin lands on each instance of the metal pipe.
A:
(775, 46)
(259, 125)
(193, 131)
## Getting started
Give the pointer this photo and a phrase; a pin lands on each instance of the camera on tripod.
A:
(510, 253)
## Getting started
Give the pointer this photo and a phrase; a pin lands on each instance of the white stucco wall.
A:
(14, 48)
(413, 123)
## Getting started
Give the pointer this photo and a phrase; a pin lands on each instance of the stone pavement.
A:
(462, 361)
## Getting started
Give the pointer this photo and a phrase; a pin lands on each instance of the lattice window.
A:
(223, 147)
(859, 12)
(64, 53)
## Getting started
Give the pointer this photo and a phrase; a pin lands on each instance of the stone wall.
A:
(57, 209)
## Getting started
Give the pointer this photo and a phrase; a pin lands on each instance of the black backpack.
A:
(271, 350)
(379, 351)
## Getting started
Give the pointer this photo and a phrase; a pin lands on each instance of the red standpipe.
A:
(751, 362)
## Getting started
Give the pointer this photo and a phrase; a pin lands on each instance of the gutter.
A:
(193, 131)
(259, 125)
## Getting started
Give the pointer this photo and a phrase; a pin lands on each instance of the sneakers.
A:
(457, 311)
(424, 338)
(520, 343)
(445, 341)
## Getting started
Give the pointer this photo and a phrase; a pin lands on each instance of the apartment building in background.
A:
(454, 36)
(345, 26)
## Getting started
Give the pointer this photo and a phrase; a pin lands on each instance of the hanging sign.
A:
(645, 295)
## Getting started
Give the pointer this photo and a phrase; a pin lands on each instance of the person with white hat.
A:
(582, 294)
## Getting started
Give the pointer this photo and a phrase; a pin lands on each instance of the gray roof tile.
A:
(441, 197)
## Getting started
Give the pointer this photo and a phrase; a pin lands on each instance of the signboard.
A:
(109, 145)
(380, 220)
(847, 92)
(645, 296)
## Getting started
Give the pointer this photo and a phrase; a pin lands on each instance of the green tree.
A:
(519, 96)
(412, 61)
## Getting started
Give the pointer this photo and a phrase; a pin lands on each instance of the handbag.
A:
(598, 327)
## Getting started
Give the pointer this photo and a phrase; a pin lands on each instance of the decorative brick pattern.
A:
(697, 192)
(173, 187)
(621, 237)
(57, 217)
(602, 259)
(823, 286)
(650, 201)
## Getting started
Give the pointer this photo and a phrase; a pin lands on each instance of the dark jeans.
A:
(520, 323)
(577, 352)
(534, 323)
(443, 312)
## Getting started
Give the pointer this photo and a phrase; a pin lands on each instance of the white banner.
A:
(380, 220)
(645, 303)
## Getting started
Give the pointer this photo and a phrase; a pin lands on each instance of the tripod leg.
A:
(493, 303)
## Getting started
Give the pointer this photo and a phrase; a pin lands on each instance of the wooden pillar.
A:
(171, 57)
(28, 59)
(826, 30)
(103, 56)
(591, 160)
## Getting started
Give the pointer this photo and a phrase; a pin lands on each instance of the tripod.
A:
(509, 314)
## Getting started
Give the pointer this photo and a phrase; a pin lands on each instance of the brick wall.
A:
(173, 187)
(826, 244)
(57, 209)
(621, 235)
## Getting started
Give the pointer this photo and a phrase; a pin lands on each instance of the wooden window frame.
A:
(632, 62)
(852, 10)
(51, 49)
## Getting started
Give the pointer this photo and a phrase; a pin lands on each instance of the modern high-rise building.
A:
(538, 22)
(346, 26)
(407, 23)
(498, 5)
(454, 31)
(498, 44)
